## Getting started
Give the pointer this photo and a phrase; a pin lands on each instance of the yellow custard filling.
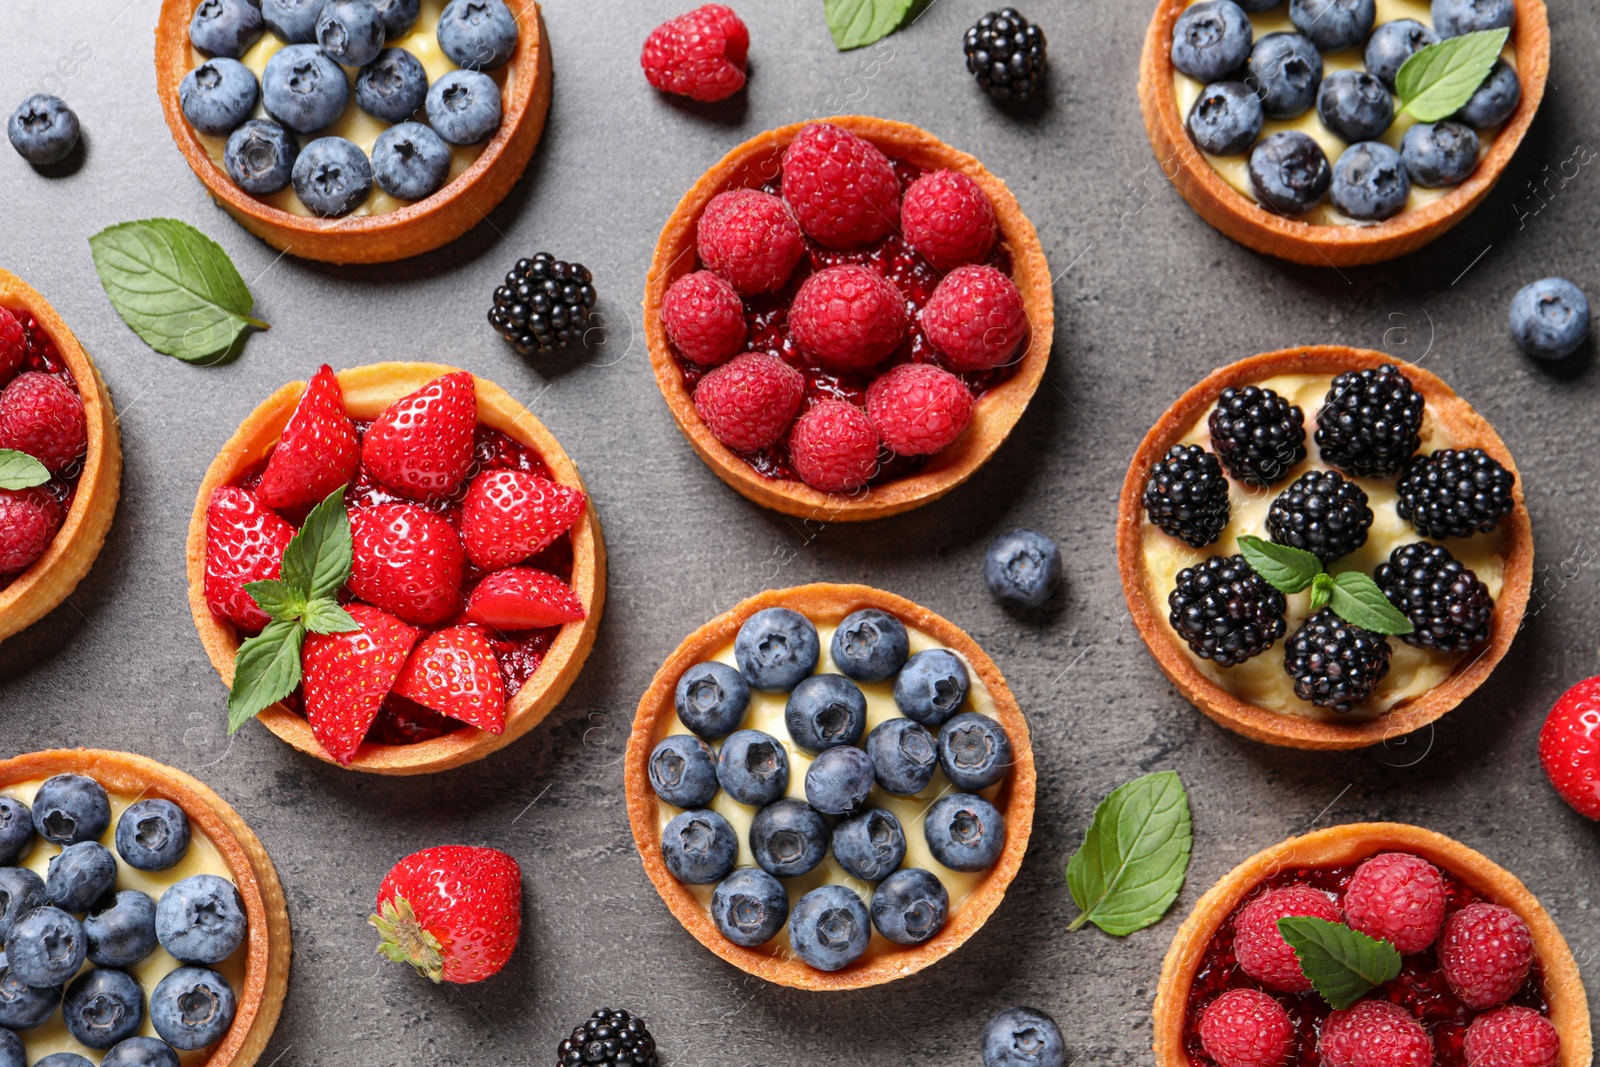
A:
(1261, 680)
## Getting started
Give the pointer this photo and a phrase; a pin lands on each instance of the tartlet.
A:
(756, 163)
(367, 391)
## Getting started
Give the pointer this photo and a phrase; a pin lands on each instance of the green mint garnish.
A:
(1356, 598)
(1435, 81)
(855, 23)
(1352, 595)
(1343, 965)
(1132, 862)
(18, 470)
(1287, 568)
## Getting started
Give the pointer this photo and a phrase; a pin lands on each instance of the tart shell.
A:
(38, 590)
(757, 162)
(267, 960)
(826, 604)
(1258, 227)
(1466, 427)
(409, 231)
(367, 391)
(1341, 845)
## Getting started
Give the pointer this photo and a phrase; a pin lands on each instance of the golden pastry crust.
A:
(39, 589)
(1342, 845)
(757, 162)
(367, 391)
(826, 604)
(1467, 429)
(408, 231)
(267, 961)
(1257, 227)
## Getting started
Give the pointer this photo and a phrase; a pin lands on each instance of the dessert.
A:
(476, 571)
(847, 344)
(869, 798)
(1381, 486)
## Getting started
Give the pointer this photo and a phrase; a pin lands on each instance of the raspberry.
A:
(43, 417)
(1512, 1037)
(919, 408)
(704, 318)
(1398, 897)
(1569, 747)
(1375, 1033)
(699, 55)
(748, 403)
(29, 519)
(13, 345)
(1246, 1028)
(946, 216)
(842, 188)
(848, 318)
(1485, 952)
(1262, 952)
(834, 447)
(975, 319)
(750, 238)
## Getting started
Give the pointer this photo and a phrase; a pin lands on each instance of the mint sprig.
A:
(1342, 964)
(1437, 80)
(855, 23)
(1352, 595)
(18, 470)
(1133, 859)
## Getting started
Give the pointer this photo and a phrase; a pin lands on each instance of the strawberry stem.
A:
(403, 939)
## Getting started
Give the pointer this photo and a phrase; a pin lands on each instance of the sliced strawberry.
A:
(508, 516)
(421, 445)
(318, 451)
(455, 672)
(346, 677)
(407, 561)
(521, 598)
(245, 540)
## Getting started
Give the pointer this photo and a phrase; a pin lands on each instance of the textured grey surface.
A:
(1149, 298)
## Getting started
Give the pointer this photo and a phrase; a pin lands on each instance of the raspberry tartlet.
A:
(848, 317)
(476, 571)
(55, 407)
(1484, 976)
(870, 798)
(1385, 484)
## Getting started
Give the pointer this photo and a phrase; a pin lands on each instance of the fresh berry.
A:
(304, 89)
(1286, 70)
(1455, 493)
(13, 345)
(776, 648)
(103, 1007)
(1006, 54)
(749, 907)
(870, 846)
(870, 645)
(16, 833)
(838, 780)
(1452, 18)
(1397, 897)
(749, 403)
(825, 711)
(711, 699)
(842, 188)
(1494, 100)
(1569, 747)
(350, 32)
(699, 847)
(1022, 569)
(1334, 25)
(141, 1052)
(975, 319)
(751, 238)
(788, 838)
(410, 161)
(69, 808)
(1549, 317)
(1374, 1033)
(700, 54)
(753, 768)
(848, 318)
(1323, 513)
(1187, 496)
(919, 409)
(29, 519)
(455, 673)
(964, 832)
(43, 130)
(464, 106)
(904, 756)
(201, 919)
(23, 1007)
(1485, 952)
(1023, 1037)
(1289, 171)
(1211, 40)
(421, 446)
(610, 1039)
(1262, 952)
(1259, 437)
(393, 86)
(544, 305)
(225, 27)
(932, 686)
(1355, 104)
(80, 875)
(407, 561)
(704, 318)
(910, 906)
(1394, 42)
(1370, 183)
(1371, 422)
(830, 927)
(192, 1007)
(477, 34)
(318, 451)
(152, 834)
(295, 21)
(1246, 1028)
(244, 543)
(1512, 1036)
(121, 931)
(218, 95)
(43, 416)
(974, 751)
(1449, 608)
(1225, 118)
(453, 912)
(348, 675)
(1439, 154)
(683, 771)
(332, 176)
(522, 598)
(946, 216)
(1335, 664)
(45, 947)
(1226, 611)
(21, 890)
(509, 515)
(834, 447)
(260, 157)
(398, 16)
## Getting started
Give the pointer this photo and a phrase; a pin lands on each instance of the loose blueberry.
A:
(43, 130)
(16, 830)
(464, 107)
(788, 838)
(1452, 18)
(1438, 154)
(753, 767)
(1333, 25)
(153, 835)
(965, 832)
(1355, 105)
(410, 162)
(225, 27)
(683, 771)
(904, 756)
(103, 1007)
(974, 751)
(21, 890)
(45, 947)
(1023, 567)
(1211, 40)
(838, 781)
(70, 808)
(12, 1051)
(64, 1059)
(870, 645)
(192, 1007)
(870, 846)
(910, 906)
(260, 157)
(1369, 182)
(824, 711)
(1549, 318)
(699, 847)
(392, 87)
(304, 89)
(712, 699)
(350, 32)
(1286, 70)
(776, 648)
(1289, 172)
(1392, 44)
(22, 1006)
(1023, 1037)
(1495, 99)
(398, 16)
(80, 875)
(218, 95)
(141, 1052)
(294, 21)
(332, 177)
(477, 34)
(932, 686)
(122, 934)
(201, 919)
(829, 928)
(750, 906)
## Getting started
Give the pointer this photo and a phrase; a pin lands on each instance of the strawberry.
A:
(1569, 747)
(522, 598)
(346, 677)
(453, 912)
(421, 446)
(318, 451)
(407, 561)
(455, 672)
(245, 540)
(508, 516)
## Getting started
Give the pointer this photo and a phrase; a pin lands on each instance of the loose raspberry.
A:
(842, 188)
(43, 416)
(749, 402)
(848, 318)
(946, 216)
(1262, 952)
(750, 238)
(1569, 747)
(919, 408)
(1397, 897)
(1512, 1037)
(1246, 1028)
(1374, 1033)
(834, 447)
(13, 345)
(975, 319)
(1485, 951)
(704, 318)
(699, 55)
(29, 519)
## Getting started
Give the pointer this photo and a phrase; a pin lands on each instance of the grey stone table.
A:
(1149, 299)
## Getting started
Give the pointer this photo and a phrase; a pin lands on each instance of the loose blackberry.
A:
(1449, 608)
(1226, 611)
(1335, 664)
(1371, 422)
(1322, 513)
(1187, 496)
(609, 1039)
(544, 304)
(1454, 493)
(1257, 434)
(1006, 53)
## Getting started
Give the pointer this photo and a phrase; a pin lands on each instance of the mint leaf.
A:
(280, 600)
(855, 23)
(325, 616)
(1321, 590)
(1357, 599)
(266, 670)
(174, 287)
(318, 560)
(1286, 568)
(1342, 964)
(1128, 870)
(1438, 79)
(18, 470)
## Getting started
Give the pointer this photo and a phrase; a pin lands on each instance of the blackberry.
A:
(1371, 422)
(1449, 608)
(544, 305)
(1454, 493)
(1006, 53)
(609, 1039)
(1257, 434)
(1335, 664)
(1226, 611)
(1322, 513)
(1187, 496)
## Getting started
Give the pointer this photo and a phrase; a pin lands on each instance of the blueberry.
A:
(43, 130)
(141, 1052)
(870, 645)
(829, 928)
(1023, 567)
(965, 832)
(1256, 6)
(1289, 172)
(12, 1051)
(393, 86)
(974, 751)
(683, 771)
(225, 27)
(152, 835)
(1494, 100)
(1286, 70)
(1333, 25)
(103, 1007)
(1452, 18)
(21, 890)
(824, 711)
(903, 755)
(410, 162)
(304, 89)
(332, 177)
(80, 875)
(1224, 121)
(192, 1007)
(1437, 154)
(910, 906)
(1355, 105)
(218, 95)
(1549, 318)
(70, 808)
(750, 907)
(1211, 40)
(464, 107)
(699, 847)
(123, 933)
(350, 32)
(201, 919)
(1392, 44)
(776, 648)
(838, 780)
(870, 846)
(788, 838)
(711, 699)
(753, 767)
(22, 1006)
(477, 34)
(1369, 182)
(398, 15)
(260, 157)
(64, 1059)
(16, 830)
(294, 21)
(1023, 1037)
(45, 947)
(932, 686)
